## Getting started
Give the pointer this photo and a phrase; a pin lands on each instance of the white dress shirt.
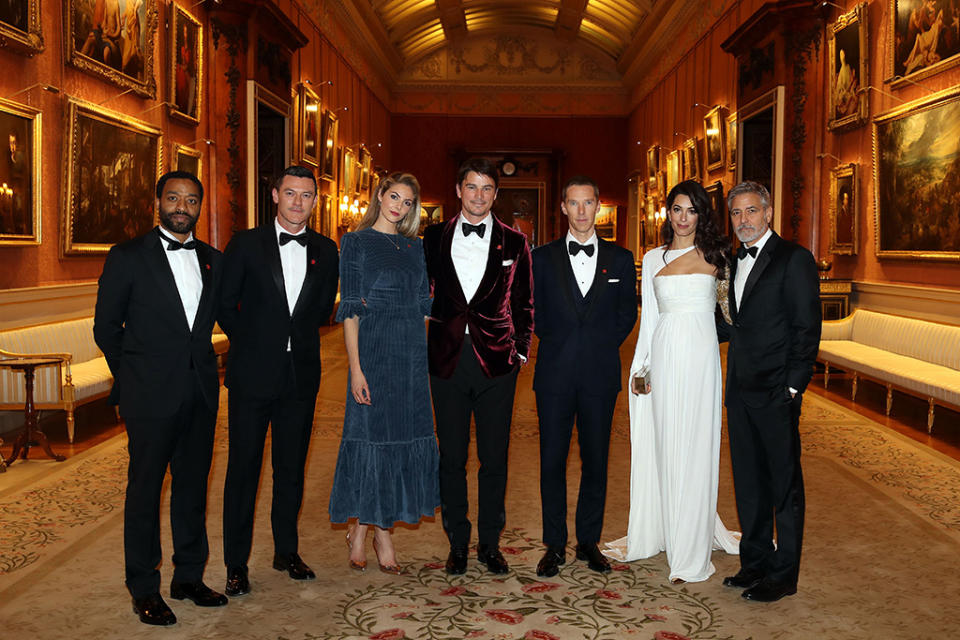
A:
(293, 259)
(186, 275)
(745, 266)
(584, 266)
(469, 254)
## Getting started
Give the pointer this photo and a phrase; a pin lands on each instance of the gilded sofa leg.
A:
(70, 424)
(826, 375)
(889, 399)
(116, 412)
(853, 389)
(930, 416)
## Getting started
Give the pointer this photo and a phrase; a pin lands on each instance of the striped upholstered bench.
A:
(914, 356)
(81, 376)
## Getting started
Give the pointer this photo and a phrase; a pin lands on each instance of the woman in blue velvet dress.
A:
(387, 468)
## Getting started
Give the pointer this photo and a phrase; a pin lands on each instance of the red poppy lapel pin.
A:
(499, 247)
(207, 266)
(313, 261)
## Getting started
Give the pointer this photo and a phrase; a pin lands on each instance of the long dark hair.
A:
(713, 244)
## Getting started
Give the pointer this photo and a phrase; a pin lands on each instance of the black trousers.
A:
(290, 419)
(490, 402)
(593, 415)
(768, 483)
(184, 442)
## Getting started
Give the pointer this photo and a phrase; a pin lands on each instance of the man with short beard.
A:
(156, 306)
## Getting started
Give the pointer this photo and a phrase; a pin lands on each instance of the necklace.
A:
(389, 237)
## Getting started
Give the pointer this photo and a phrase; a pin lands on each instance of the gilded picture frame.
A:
(521, 204)
(917, 48)
(121, 55)
(430, 213)
(186, 158)
(673, 171)
(111, 167)
(848, 56)
(844, 209)
(366, 168)
(20, 191)
(348, 176)
(653, 164)
(730, 134)
(185, 77)
(915, 176)
(20, 29)
(329, 134)
(689, 160)
(308, 127)
(713, 147)
(606, 222)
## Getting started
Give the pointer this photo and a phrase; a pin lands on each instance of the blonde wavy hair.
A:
(410, 224)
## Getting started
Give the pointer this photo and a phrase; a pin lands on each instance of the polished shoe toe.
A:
(238, 583)
(199, 593)
(491, 556)
(293, 565)
(457, 561)
(595, 560)
(768, 591)
(745, 579)
(549, 564)
(153, 610)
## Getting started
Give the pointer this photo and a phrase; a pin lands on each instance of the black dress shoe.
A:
(491, 556)
(153, 610)
(769, 591)
(293, 565)
(238, 583)
(745, 579)
(549, 564)
(201, 594)
(457, 561)
(595, 560)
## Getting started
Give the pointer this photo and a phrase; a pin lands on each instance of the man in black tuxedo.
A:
(479, 335)
(774, 336)
(156, 306)
(279, 286)
(585, 302)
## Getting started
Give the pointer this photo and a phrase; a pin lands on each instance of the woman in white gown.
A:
(675, 422)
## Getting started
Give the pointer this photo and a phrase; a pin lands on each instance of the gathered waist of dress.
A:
(688, 305)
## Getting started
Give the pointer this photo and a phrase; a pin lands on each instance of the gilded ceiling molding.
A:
(508, 101)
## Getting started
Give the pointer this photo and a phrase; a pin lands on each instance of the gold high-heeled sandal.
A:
(356, 565)
(392, 569)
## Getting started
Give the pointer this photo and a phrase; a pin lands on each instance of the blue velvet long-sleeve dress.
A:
(387, 467)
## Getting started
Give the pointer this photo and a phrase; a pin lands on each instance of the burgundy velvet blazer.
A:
(500, 315)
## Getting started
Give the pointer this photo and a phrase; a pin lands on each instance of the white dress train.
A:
(675, 430)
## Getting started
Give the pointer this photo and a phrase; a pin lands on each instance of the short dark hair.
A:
(579, 181)
(178, 175)
(482, 166)
(296, 171)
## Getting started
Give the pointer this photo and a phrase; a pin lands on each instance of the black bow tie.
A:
(468, 228)
(743, 252)
(576, 247)
(300, 238)
(174, 245)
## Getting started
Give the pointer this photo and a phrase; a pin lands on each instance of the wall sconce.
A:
(320, 83)
(46, 87)
(702, 106)
(206, 141)
(156, 106)
(829, 155)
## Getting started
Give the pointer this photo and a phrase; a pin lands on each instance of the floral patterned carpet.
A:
(881, 548)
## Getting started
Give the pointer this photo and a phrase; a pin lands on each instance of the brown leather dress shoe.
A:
(549, 564)
(595, 560)
(199, 593)
(153, 610)
(238, 583)
(491, 556)
(293, 565)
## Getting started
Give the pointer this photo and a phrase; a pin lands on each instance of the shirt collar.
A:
(169, 238)
(278, 229)
(763, 239)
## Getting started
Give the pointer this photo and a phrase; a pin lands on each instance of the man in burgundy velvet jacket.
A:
(478, 338)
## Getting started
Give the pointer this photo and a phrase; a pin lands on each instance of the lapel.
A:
(159, 266)
(494, 260)
(600, 276)
(564, 271)
(446, 256)
(271, 251)
(763, 261)
(206, 275)
(310, 277)
(731, 290)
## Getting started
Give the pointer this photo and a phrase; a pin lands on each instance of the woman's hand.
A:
(359, 388)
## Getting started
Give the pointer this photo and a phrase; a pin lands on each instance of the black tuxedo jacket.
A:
(500, 314)
(580, 337)
(141, 327)
(775, 334)
(254, 313)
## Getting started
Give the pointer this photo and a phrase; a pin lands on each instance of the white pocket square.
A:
(507, 263)
(614, 280)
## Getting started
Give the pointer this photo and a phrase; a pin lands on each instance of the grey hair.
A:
(748, 186)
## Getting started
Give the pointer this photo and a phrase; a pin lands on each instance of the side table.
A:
(31, 435)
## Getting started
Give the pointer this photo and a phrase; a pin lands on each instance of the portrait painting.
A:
(719, 205)
(651, 223)
(114, 40)
(187, 159)
(689, 160)
(308, 126)
(606, 222)
(673, 170)
(328, 134)
(844, 209)
(348, 174)
(924, 38)
(19, 174)
(713, 138)
(847, 45)
(731, 139)
(520, 204)
(186, 66)
(430, 213)
(112, 162)
(20, 26)
(653, 164)
(916, 161)
(366, 168)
